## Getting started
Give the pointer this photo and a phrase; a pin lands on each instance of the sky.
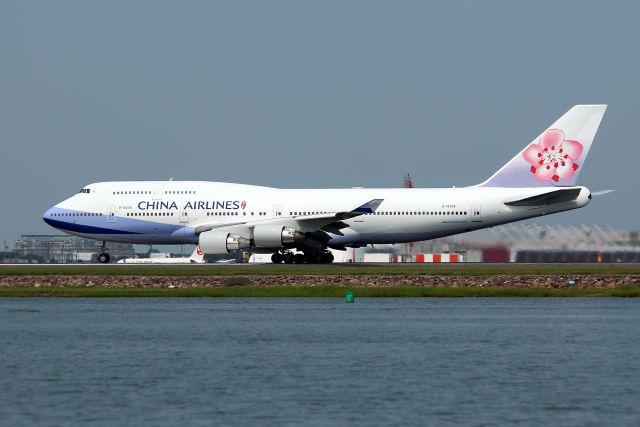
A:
(305, 94)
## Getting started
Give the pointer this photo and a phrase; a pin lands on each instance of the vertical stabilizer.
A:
(197, 256)
(556, 157)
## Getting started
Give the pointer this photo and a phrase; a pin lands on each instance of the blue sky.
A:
(307, 94)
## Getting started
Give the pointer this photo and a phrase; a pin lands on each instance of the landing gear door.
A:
(476, 214)
(158, 191)
(111, 214)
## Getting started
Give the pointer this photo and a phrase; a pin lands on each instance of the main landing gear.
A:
(324, 257)
(103, 256)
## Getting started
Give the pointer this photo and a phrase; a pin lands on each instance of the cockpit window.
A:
(85, 190)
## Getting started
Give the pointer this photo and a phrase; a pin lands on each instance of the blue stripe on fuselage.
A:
(81, 222)
(86, 229)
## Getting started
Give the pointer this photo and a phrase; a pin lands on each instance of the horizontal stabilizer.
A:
(557, 196)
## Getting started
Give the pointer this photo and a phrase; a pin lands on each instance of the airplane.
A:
(197, 257)
(222, 217)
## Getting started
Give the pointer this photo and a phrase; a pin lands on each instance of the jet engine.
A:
(276, 236)
(217, 242)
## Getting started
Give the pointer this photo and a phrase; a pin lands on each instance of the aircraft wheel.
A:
(104, 258)
(276, 258)
(288, 258)
(298, 259)
(327, 257)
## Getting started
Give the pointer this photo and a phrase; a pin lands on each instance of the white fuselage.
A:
(173, 212)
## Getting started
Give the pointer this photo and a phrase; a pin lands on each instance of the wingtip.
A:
(369, 207)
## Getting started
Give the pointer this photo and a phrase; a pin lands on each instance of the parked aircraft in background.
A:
(221, 217)
(197, 257)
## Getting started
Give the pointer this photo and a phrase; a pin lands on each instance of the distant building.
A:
(65, 248)
(535, 243)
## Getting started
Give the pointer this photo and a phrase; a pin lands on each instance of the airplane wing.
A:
(333, 222)
(323, 223)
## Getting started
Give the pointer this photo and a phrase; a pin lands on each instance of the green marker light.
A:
(350, 296)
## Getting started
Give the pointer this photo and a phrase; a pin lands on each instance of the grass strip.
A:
(461, 269)
(318, 292)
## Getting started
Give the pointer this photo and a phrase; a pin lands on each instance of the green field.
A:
(331, 292)
(332, 269)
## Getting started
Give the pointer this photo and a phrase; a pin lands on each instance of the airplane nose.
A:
(47, 216)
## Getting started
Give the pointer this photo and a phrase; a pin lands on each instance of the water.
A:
(526, 362)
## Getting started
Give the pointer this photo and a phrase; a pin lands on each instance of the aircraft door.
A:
(111, 214)
(476, 214)
(158, 191)
(277, 211)
(184, 217)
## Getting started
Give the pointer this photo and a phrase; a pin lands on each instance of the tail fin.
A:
(197, 256)
(556, 157)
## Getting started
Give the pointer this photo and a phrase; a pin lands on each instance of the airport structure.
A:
(537, 243)
(64, 248)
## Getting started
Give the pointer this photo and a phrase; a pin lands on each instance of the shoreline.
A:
(532, 281)
(320, 286)
(479, 280)
(317, 292)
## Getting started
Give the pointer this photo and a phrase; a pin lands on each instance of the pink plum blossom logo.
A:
(552, 156)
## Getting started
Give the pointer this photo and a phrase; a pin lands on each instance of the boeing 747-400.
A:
(222, 217)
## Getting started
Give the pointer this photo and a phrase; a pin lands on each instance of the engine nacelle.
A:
(217, 242)
(276, 236)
